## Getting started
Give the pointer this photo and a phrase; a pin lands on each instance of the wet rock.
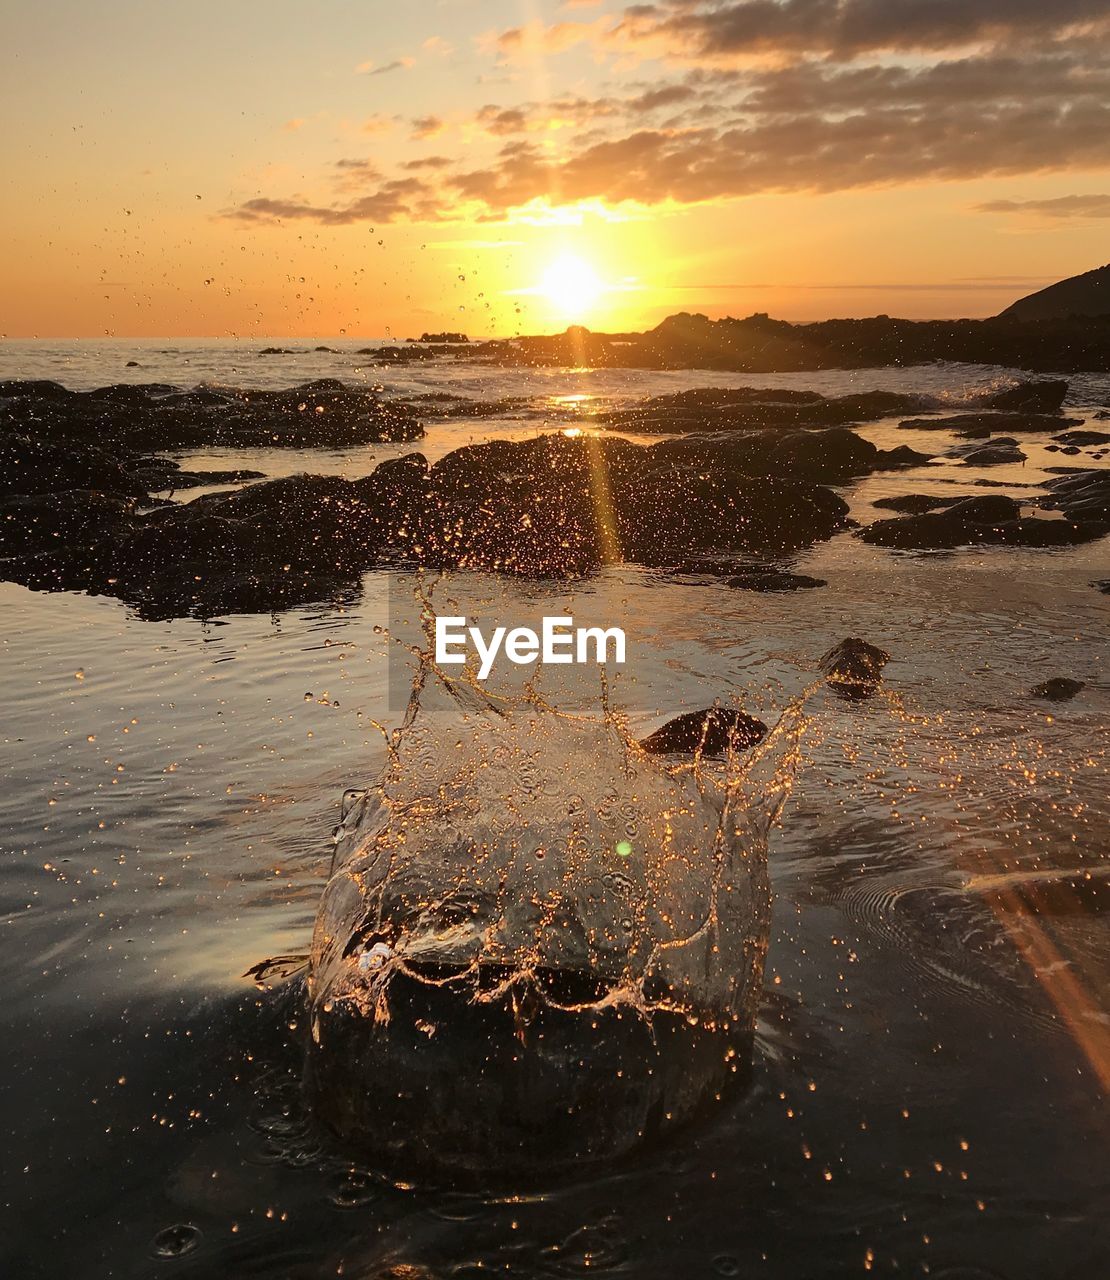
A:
(1044, 395)
(156, 416)
(853, 667)
(914, 503)
(45, 522)
(1080, 494)
(718, 409)
(1083, 437)
(559, 505)
(711, 731)
(762, 578)
(30, 465)
(828, 456)
(1057, 689)
(998, 453)
(177, 479)
(988, 423)
(992, 520)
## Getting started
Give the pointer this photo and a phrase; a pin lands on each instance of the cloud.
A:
(426, 126)
(429, 162)
(539, 39)
(824, 123)
(844, 29)
(1059, 208)
(821, 128)
(398, 64)
(401, 197)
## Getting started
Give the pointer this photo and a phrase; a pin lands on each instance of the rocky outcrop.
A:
(992, 520)
(551, 506)
(1080, 495)
(977, 425)
(1083, 295)
(156, 416)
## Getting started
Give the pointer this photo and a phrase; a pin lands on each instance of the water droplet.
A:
(181, 1238)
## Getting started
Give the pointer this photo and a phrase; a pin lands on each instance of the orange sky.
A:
(278, 169)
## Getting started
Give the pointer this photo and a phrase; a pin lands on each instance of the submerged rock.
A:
(711, 732)
(853, 667)
(1057, 689)
(764, 578)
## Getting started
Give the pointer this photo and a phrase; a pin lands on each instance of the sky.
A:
(351, 167)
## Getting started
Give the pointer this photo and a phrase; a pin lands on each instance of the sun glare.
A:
(571, 285)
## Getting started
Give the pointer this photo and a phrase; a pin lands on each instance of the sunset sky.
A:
(281, 169)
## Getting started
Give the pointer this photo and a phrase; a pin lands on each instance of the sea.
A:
(932, 1062)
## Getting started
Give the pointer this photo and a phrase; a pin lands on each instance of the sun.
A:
(571, 285)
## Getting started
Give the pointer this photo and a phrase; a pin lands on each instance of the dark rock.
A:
(739, 408)
(967, 525)
(712, 731)
(828, 456)
(46, 522)
(324, 413)
(854, 668)
(914, 503)
(1057, 689)
(1103, 585)
(761, 578)
(132, 364)
(559, 505)
(976, 424)
(199, 479)
(992, 508)
(1083, 437)
(994, 455)
(1081, 495)
(1045, 395)
(30, 465)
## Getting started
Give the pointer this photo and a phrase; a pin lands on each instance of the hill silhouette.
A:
(1083, 295)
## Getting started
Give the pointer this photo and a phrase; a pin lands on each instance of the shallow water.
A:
(934, 1049)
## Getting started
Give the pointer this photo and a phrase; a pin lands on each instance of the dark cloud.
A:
(426, 126)
(401, 198)
(501, 120)
(848, 28)
(1090, 206)
(823, 128)
(429, 162)
(1027, 99)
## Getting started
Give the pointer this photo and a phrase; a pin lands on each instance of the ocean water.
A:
(933, 1054)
